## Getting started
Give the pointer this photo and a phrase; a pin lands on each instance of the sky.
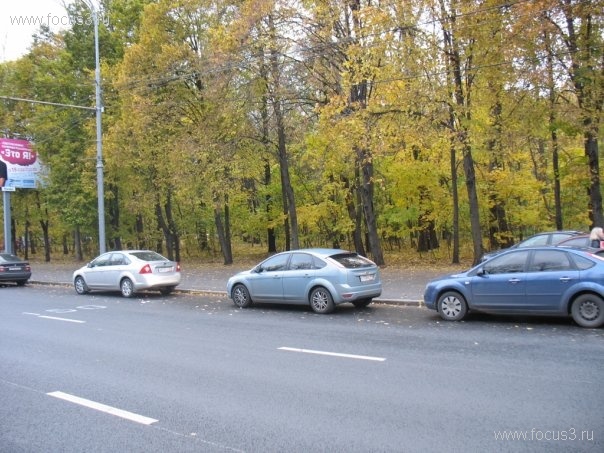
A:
(20, 19)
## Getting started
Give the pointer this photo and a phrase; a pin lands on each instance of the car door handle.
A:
(514, 280)
(565, 279)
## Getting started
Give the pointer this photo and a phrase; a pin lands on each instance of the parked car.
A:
(321, 278)
(128, 271)
(540, 239)
(14, 269)
(580, 241)
(548, 281)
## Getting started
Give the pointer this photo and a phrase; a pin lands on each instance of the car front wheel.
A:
(127, 287)
(241, 296)
(588, 310)
(452, 306)
(80, 285)
(321, 301)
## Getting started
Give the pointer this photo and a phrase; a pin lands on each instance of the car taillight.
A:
(2, 268)
(177, 267)
(146, 269)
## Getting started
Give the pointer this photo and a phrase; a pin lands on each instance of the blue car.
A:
(321, 278)
(543, 281)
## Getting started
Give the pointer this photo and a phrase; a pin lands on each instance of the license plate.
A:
(164, 269)
(14, 268)
(367, 278)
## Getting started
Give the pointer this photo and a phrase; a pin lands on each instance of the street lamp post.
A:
(99, 133)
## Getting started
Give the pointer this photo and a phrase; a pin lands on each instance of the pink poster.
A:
(22, 163)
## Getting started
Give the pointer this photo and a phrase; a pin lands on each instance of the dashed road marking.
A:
(55, 318)
(334, 354)
(103, 408)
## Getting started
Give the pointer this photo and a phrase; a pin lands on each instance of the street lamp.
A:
(99, 132)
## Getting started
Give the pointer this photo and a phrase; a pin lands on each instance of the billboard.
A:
(23, 165)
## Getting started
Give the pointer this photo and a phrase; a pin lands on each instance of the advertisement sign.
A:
(23, 165)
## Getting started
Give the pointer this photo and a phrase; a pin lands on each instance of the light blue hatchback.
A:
(321, 278)
(543, 281)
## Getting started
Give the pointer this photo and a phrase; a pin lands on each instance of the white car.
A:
(128, 271)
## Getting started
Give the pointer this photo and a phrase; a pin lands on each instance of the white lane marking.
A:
(55, 318)
(62, 319)
(103, 408)
(334, 354)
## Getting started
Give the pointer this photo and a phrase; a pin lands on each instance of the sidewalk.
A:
(402, 286)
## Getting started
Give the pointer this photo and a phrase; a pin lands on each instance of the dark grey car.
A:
(14, 269)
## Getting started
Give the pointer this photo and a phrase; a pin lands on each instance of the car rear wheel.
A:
(321, 301)
(80, 285)
(241, 296)
(452, 306)
(588, 310)
(362, 303)
(127, 287)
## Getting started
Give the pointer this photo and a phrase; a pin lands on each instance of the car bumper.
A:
(346, 293)
(14, 276)
(157, 281)
(430, 298)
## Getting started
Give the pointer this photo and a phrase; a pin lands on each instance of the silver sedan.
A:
(321, 278)
(128, 271)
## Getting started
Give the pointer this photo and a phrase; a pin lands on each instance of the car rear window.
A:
(149, 256)
(9, 257)
(352, 260)
(583, 263)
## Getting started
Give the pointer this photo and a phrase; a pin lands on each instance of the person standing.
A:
(3, 173)
(596, 237)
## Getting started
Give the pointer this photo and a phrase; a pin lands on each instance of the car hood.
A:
(450, 276)
(243, 273)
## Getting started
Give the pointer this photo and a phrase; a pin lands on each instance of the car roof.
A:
(322, 252)
(575, 250)
(545, 233)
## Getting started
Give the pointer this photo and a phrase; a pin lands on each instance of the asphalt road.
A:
(187, 373)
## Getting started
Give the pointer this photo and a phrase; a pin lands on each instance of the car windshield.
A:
(149, 256)
(351, 260)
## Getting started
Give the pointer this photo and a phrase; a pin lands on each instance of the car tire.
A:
(587, 310)
(362, 303)
(321, 301)
(127, 287)
(80, 285)
(166, 290)
(241, 296)
(452, 306)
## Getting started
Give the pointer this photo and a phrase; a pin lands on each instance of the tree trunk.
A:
(168, 228)
(455, 197)
(286, 187)
(222, 229)
(365, 160)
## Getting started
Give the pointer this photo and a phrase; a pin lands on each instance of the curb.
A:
(209, 292)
